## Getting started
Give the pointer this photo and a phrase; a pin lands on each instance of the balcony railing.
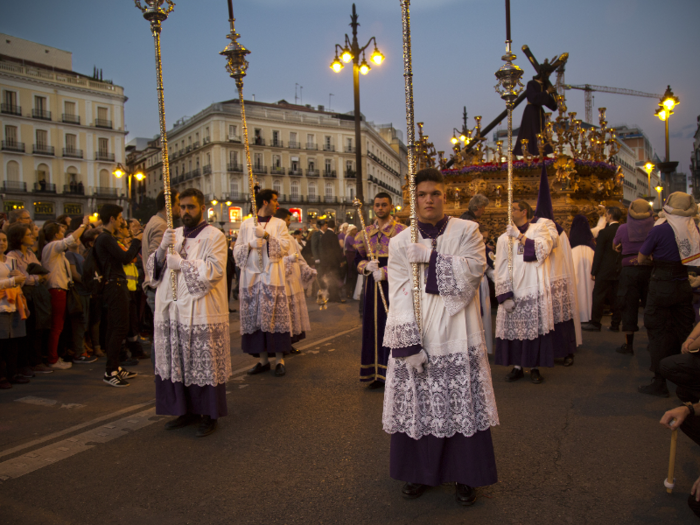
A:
(234, 138)
(102, 191)
(206, 170)
(235, 196)
(195, 145)
(328, 147)
(188, 148)
(295, 173)
(73, 190)
(235, 168)
(73, 152)
(328, 199)
(12, 185)
(350, 174)
(43, 149)
(181, 152)
(11, 145)
(259, 169)
(311, 145)
(186, 176)
(294, 145)
(349, 149)
(277, 170)
(277, 144)
(102, 123)
(44, 187)
(41, 114)
(196, 173)
(206, 140)
(258, 141)
(312, 173)
(103, 155)
(70, 119)
(329, 174)
(313, 198)
(296, 198)
(11, 109)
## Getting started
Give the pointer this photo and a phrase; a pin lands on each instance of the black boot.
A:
(657, 387)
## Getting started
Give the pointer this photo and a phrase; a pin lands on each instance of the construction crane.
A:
(588, 89)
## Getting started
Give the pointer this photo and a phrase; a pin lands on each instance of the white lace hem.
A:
(531, 318)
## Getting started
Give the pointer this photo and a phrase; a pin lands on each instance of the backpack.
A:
(93, 276)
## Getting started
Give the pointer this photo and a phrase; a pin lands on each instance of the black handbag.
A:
(74, 305)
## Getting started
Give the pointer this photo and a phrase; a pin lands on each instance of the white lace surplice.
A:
(191, 335)
(454, 394)
(583, 262)
(533, 314)
(299, 276)
(264, 296)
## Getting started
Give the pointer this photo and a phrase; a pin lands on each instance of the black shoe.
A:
(126, 374)
(375, 385)
(535, 376)
(515, 374)
(206, 426)
(280, 370)
(130, 361)
(465, 495)
(259, 369)
(294, 351)
(182, 421)
(413, 490)
(655, 388)
(569, 360)
(113, 379)
(590, 327)
(614, 328)
(625, 349)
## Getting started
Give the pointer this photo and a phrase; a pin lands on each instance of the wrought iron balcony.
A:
(313, 198)
(206, 170)
(102, 191)
(103, 155)
(14, 185)
(312, 173)
(311, 145)
(259, 169)
(11, 109)
(73, 152)
(235, 168)
(349, 149)
(296, 198)
(277, 170)
(350, 174)
(70, 119)
(206, 140)
(41, 114)
(43, 149)
(328, 147)
(44, 187)
(195, 145)
(102, 123)
(12, 145)
(329, 200)
(234, 138)
(258, 141)
(295, 173)
(196, 173)
(294, 145)
(329, 174)
(277, 144)
(73, 190)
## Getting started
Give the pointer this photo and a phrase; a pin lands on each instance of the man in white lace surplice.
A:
(439, 403)
(266, 322)
(525, 321)
(191, 333)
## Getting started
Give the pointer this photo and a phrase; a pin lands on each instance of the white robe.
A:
(583, 261)
(191, 335)
(299, 276)
(485, 303)
(533, 314)
(454, 393)
(264, 291)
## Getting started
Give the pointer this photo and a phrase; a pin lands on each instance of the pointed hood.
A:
(544, 209)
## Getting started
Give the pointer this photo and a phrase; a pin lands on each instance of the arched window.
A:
(13, 171)
(235, 189)
(71, 175)
(295, 188)
(42, 173)
(312, 190)
(277, 185)
(329, 189)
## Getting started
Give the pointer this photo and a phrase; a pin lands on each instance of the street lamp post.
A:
(351, 53)
(659, 189)
(119, 172)
(649, 168)
(664, 111)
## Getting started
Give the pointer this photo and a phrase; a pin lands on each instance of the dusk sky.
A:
(457, 45)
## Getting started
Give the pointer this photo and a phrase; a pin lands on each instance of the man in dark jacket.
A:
(606, 273)
(331, 255)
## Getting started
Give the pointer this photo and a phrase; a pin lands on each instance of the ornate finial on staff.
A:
(509, 87)
(411, 139)
(237, 66)
(357, 203)
(155, 14)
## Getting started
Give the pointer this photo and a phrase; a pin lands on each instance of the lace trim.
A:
(562, 300)
(503, 287)
(531, 318)
(308, 274)
(193, 354)
(264, 307)
(401, 330)
(541, 250)
(453, 285)
(194, 284)
(151, 270)
(288, 266)
(299, 314)
(453, 395)
(275, 249)
(240, 254)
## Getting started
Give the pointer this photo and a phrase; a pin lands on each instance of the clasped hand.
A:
(174, 260)
(509, 305)
(169, 238)
(418, 253)
(416, 361)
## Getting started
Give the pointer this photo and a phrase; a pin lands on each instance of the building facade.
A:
(62, 133)
(306, 154)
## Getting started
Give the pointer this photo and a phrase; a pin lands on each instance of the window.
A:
(258, 161)
(234, 189)
(104, 178)
(197, 162)
(206, 133)
(196, 137)
(71, 175)
(312, 190)
(102, 114)
(233, 157)
(293, 139)
(40, 103)
(232, 132)
(71, 142)
(295, 188)
(348, 165)
(349, 144)
(328, 141)
(276, 161)
(275, 138)
(13, 171)
(42, 138)
(312, 164)
(329, 190)
(69, 108)
(10, 98)
(11, 135)
(208, 159)
(42, 173)
(352, 193)
(277, 186)
(328, 165)
(309, 139)
(295, 164)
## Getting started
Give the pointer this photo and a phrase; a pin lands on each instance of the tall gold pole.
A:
(358, 204)
(155, 14)
(411, 139)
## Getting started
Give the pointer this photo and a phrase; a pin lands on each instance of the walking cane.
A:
(670, 481)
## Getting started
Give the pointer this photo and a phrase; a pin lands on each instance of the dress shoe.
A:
(535, 376)
(19, 380)
(206, 426)
(569, 360)
(655, 388)
(182, 421)
(259, 369)
(624, 349)
(294, 351)
(413, 490)
(590, 327)
(613, 328)
(515, 374)
(41, 368)
(26, 371)
(375, 385)
(280, 370)
(465, 495)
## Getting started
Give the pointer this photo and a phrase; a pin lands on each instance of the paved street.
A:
(583, 447)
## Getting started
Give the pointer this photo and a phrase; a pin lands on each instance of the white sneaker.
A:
(61, 365)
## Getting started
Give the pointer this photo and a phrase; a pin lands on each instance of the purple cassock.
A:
(533, 118)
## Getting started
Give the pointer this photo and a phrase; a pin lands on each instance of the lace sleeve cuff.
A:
(541, 251)
(288, 262)
(308, 274)
(274, 249)
(197, 286)
(401, 331)
(154, 270)
(240, 254)
(455, 289)
(503, 287)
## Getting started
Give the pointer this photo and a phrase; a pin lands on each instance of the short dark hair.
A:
(108, 211)
(61, 219)
(160, 199)
(89, 236)
(50, 230)
(524, 205)
(615, 213)
(15, 234)
(296, 232)
(282, 213)
(264, 195)
(429, 174)
(382, 195)
(320, 223)
(192, 192)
